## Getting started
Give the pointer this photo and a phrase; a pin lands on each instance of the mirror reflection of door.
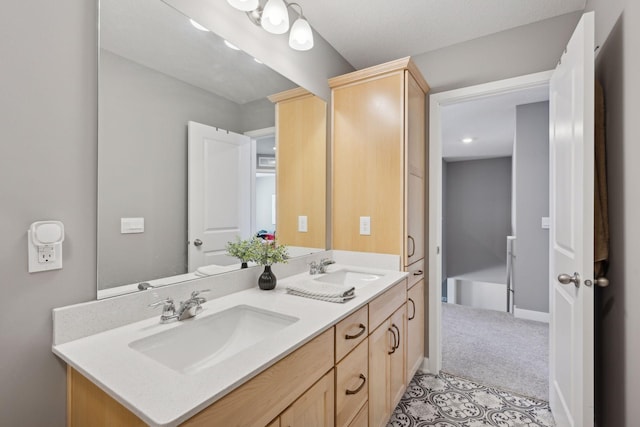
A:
(265, 186)
(219, 175)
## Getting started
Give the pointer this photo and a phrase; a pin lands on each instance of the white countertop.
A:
(161, 396)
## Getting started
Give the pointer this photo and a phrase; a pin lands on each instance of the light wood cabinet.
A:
(301, 142)
(351, 331)
(316, 385)
(315, 408)
(387, 378)
(362, 419)
(378, 146)
(351, 384)
(269, 393)
(415, 328)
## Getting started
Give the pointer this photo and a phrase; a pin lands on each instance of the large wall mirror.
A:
(186, 145)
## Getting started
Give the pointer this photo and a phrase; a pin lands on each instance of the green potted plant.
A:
(241, 249)
(267, 253)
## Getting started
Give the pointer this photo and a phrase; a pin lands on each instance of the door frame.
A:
(436, 102)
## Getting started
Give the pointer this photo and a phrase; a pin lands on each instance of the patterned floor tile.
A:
(448, 401)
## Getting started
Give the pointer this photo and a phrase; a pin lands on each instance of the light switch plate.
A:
(365, 226)
(131, 225)
(302, 223)
(546, 222)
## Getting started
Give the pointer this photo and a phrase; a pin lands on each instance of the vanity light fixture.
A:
(198, 26)
(273, 17)
(467, 140)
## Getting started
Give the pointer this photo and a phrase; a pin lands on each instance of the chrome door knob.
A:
(565, 279)
(197, 242)
(602, 282)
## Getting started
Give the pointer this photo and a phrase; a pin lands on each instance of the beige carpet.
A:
(496, 349)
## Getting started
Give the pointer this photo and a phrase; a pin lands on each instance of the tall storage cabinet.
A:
(379, 175)
(378, 139)
(301, 140)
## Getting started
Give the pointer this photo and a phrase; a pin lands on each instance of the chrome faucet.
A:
(189, 308)
(320, 267)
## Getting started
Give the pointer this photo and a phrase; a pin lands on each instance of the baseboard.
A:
(425, 367)
(538, 316)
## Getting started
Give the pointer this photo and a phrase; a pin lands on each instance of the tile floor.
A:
(446, 400)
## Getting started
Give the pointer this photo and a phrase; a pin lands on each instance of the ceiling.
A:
(157, 36)
(489, 121)
(370, 32)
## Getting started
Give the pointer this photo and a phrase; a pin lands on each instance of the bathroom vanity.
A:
(316, 364)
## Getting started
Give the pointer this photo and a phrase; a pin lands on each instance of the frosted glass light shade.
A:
(244, 5)
(275, 17)
(301, 36)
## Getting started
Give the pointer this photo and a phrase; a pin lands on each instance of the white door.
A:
(219, 192)
(572, 159)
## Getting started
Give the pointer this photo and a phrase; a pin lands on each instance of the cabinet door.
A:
(415, 329)
(380, 344)
(397, 362)
(415, 220)
(315, 408)
(415, 170)
(368, 164)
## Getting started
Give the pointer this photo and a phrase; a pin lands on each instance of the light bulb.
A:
(275, 17)
(301, 36)
(244, 5)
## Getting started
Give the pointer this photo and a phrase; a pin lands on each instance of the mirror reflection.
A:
(186, 151)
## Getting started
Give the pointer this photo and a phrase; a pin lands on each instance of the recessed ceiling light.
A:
(257, 60)
(232, 46)
(467, 140)
(198, 26)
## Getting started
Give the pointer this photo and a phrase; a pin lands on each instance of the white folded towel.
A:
(322, 291)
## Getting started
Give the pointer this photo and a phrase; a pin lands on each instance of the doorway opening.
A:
(487, 316)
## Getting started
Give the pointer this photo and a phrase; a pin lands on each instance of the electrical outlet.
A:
(302, 224)
(365, 226)
(46, 254)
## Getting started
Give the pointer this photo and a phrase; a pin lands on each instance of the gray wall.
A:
(143, 166)
(48, 155)
(617, 315)
(523, 50)
(478, 206)
(48, 170)
(531, 164)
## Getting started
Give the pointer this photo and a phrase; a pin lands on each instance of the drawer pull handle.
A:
(397, 329)
(353, 337)
(395, 345)
(413, 316)
(364, 381)
(418, 273)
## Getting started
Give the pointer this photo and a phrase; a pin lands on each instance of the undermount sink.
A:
(200, 343)
(356, 279)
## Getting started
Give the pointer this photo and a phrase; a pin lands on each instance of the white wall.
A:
(531, 160)
(618, 317)
(265, 189)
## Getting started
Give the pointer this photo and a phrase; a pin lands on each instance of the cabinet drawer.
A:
(351, 384)
(351, 331)
(362, 419)
(384, 306)
(416, 273)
